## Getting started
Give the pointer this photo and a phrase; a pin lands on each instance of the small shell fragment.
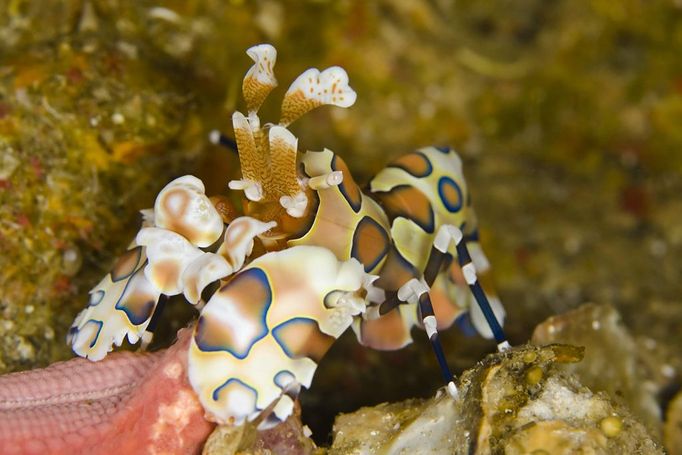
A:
(611, 426)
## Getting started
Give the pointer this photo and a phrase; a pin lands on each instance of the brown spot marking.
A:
(126, 264)
(301, 337)
(416, 164)
(166, 273)
(247, 294)
(395, 272)
(386, 333)
(179, 193)
(237, 233)
(408, 202)
(370, 243)
(451, 198)
(176, 217)
(211, 335)
(138, 302)
(349, 189)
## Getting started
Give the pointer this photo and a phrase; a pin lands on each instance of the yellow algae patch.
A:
(93, 152)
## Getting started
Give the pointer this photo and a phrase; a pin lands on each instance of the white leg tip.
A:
(334, 178)
(469, 272)
(430, 325)
(456, 233)
(325, 181)
(412, 289)
(452, 390)
(445, 234)
(504, 346)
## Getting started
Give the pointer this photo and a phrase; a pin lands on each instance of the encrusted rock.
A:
(611, 362)
(515, 402)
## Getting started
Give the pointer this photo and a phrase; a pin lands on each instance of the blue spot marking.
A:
(442, 149)
(445, 183)
(99, 329)
(282, 343)
(241, 384)
(259, 275)
(96, 298)
(135, 319)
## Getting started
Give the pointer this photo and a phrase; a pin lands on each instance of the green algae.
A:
(84, 129)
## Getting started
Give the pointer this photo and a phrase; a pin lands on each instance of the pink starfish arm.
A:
(127, 403)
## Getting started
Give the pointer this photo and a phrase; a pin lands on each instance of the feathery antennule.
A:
(313, 89)
(267, 154)
(283, 147)
(260, 79)
(252, 156)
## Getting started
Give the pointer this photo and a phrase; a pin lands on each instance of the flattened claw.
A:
(239, 237)
(120, 306)
(201, 272)
(182, 207)
(169, 254)
(263, 333)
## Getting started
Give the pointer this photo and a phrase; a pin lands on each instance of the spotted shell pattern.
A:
(419, 192)
(347, 222)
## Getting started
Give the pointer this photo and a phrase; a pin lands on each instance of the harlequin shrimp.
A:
(310, 256)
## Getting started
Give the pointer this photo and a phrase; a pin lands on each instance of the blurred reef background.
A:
(568, 116)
